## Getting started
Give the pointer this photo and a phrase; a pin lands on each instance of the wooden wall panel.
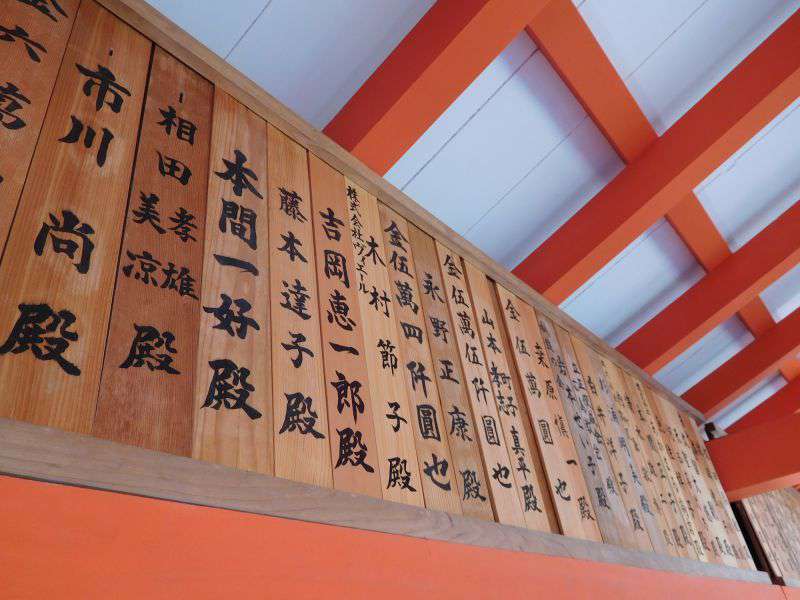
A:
(484, 326)
(351, 419)
(233, 399)
(401, 477)
(147, 387)
(416, 364)
(58, 276)
(507, 500)
(300, 412)
(642, 469)
(459, 424)
(566, 482)
(604, 500)
(630, 488)
(636, 401)
(35, 37)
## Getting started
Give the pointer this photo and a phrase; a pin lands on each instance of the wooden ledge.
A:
(55, 456)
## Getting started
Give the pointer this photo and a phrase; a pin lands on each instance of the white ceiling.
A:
(516, 155)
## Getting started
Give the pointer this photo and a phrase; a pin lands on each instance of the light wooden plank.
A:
(629, 487)
(604, 501)
(50, 455)
(482, 327)
(57, 276)
(233, 400)
(29, 75)
(433, 451)
(556, 447)
(459, 425)
(300, 413)
(630, 441)
(351, 405)
(505, 495)
(147, 386)
(401, 477)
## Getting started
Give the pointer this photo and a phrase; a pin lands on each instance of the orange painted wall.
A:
(65, 542)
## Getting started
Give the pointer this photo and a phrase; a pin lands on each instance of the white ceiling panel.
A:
(313, 56)
(521, 123)
(748, 401)
(462, 110)
(643, 279)
(547, 196)
(783, 296)
(705, 355)
(672, 52)
(758, 183)
(218, 27)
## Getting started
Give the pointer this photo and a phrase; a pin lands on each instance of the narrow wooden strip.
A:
(459, 424)
(416, 364)
(604, 500)
(351, 405)
(233, 400)
(483, 328)
(29, 63)
(300, 413)
(506, 498)
(556, 447)
(398, 458)
(631, 491)
(57, 278)
(51, 455)
(147, 387)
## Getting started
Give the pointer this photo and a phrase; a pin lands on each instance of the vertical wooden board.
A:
(300, 412)
(481, 327)
(566, 482)
(630, 488)
(719, 502)
(28, 75)
(506, 499)
(604, 499)
(233, 399)
(416, 364)
(524, 417)
(628, 441)
(677, 493)
(459, 424)
(57, 276)
(635, 401)
(392, 412)
(146, 391)
(356, 466)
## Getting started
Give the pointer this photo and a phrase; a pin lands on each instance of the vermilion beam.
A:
(435, 62)
(784, 402)
(717, 296)
(746, 368)
(562, 35)
(758, 459)
(692, 223)
(757, 90)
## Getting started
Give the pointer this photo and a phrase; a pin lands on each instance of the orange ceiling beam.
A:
(783, 403)
(745, 101)
(720, 294)
(758, 459)
(746, 368)
(566, 40)
(444, 53)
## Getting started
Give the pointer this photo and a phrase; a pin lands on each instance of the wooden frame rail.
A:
(51, 455)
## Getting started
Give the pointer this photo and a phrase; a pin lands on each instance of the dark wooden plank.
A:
(147, 387)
